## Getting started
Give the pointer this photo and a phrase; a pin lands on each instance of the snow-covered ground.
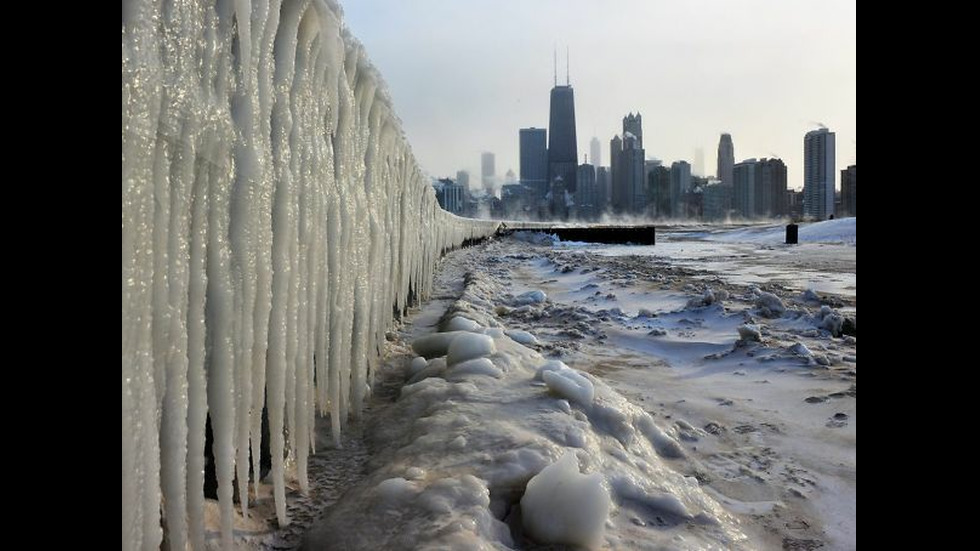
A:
(608, 397)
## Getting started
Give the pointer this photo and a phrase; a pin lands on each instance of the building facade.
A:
(819, 149)
(587, 196)
(534, 159)
(680, 187)
(595, 152)
(562, 144)
(726, 159)
(450, 195)
(487, 171)
(848, 191)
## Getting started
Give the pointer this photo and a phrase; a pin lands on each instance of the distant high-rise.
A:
(848, 191)
(618, 196)
(595, 155)
(698, 169)
(680, 186)
(463, 179)
(631, 162)
(717, 201)
(449, 194)
(562, 144)
(487, 170)
(726, 159)
(534, 159)
(634, 125)
(658, 184)
(818, 173)
(603, 182)
(743, 188)
(771, 188)
(587, 197)
(759, 190)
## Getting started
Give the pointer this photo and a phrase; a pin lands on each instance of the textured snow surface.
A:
(490, 452)
(272, 217)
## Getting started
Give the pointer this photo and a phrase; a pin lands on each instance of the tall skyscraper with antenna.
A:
(562, 143)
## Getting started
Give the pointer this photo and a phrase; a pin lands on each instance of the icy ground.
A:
(707, 397)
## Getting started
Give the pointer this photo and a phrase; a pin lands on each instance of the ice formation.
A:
(561, 505)
(273, 216)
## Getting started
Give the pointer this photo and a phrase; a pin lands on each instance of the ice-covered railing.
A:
(273, 218)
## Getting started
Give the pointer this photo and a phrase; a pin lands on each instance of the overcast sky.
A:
(465, 75)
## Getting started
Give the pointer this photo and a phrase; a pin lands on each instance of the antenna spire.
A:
(556, 65)
(568, 81)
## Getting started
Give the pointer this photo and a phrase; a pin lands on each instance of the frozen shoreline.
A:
(766, 432)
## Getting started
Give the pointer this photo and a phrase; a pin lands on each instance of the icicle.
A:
(273, 215)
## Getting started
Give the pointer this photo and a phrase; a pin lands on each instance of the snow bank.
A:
(840, 230)
(505, 421)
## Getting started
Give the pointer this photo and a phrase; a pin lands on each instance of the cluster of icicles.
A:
(273, 219)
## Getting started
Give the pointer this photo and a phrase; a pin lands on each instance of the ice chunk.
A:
(476, 366)
(436, 344)
(395, 491)
(522, 337)
(459, 323)
(466, 346)
(570, 384)
(418, 364)
(550, 365)
(770, 305)
(749, 332)
(562, 506)
(435, 368)
(531, 297)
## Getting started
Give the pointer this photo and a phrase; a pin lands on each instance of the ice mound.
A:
(770, 305)
(436, 344)
(459, 323)
(476, 366)
(466, 346)
(531, 297)
(522, 337)
(749, 332)
(570, 384)
(562, 506)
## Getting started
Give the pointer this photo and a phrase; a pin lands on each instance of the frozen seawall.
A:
(273, 219)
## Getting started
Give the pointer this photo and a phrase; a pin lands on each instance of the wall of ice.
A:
(273, 219)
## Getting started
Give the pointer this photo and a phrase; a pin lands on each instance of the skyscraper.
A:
(595, 156)
(587, 197)
(618, 196)
(848, 191)
(726, 159)
(634, 125)
(632, 166)
(680, 185)
(534, 159)
(771, 188)
(603, 182)
(487, 170)
(698, 169)
(744, 188)
(463, 179)
(818, 173)
(562, 144)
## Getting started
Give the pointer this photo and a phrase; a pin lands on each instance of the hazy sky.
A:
(465, 75)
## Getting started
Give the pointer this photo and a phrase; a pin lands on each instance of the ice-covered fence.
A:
(273, 217)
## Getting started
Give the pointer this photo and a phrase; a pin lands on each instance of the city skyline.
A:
(760, 70)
